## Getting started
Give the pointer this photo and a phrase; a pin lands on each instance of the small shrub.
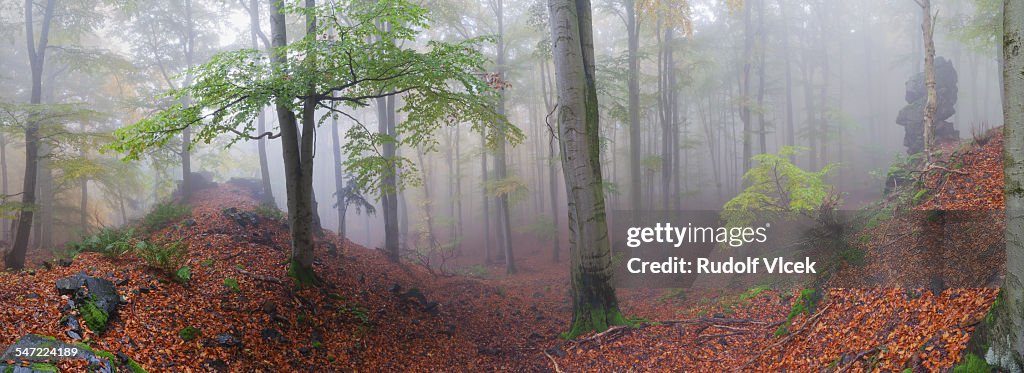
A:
(110, 242)
(269, 212)
(167, 257)
(183, 275)
(188, 333)
(232, 284)
(163, 214)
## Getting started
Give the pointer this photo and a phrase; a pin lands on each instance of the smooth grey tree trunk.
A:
(500, 164)
(261, 118)
(633, 83)
(1005, 334)
(595, 306)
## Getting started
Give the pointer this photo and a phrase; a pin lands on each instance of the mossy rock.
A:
(95, 317)
(97, 358)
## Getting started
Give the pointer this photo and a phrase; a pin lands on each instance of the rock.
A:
(273, 335)
(69, 285)
(72, 322)
(103, 294)
(538, 295)
(227, 340)
(269, 307)
(73, 335)
(64, 262)
(555, 351)
(121, 282)
(188, 222)
(32, 296)
(911, 117)
(242, 218)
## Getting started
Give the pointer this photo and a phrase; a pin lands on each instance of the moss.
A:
(754, 292)
(43, 367)
(8, 369)
(94, 317)
(188, 333)
(972, 364)
(304, 277)
(594, 319)
(232, 284)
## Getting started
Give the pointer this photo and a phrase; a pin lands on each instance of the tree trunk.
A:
(37, 54)
(261, 118)
(1005, 334)
(595, 306)
(186, 134)
(487, 213)
(790, 130)
(339, 177)
(748, 43)
(500, 166)
(5, 228)
(762, 50)
(635, 170)
(929, 76)
(298, 162)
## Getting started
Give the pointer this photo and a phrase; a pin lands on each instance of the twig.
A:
(813, 320)
(552, 361)
(714, 320)
(857, 358)
(260, 277)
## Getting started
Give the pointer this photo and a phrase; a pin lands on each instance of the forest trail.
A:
(381, 316)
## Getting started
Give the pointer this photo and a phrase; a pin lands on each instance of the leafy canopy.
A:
(776, 185)
(346, 64)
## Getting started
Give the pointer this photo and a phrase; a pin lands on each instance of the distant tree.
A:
(15, 258)
(595, 306)
(349, 61)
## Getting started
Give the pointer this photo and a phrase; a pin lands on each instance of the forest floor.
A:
(375, 315)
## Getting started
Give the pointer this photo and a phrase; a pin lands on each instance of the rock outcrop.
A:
(911, 117)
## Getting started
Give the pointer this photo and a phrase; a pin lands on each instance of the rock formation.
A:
(911, 117)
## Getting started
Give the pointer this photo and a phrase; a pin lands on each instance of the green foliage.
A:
(168, 257)
(476, 270)
(232, 284)
(512, 187)
(920, 196)
(542, 227)
(189, 333)
(754, 292)
(779, 186)
(803, 304)
(346, 63)
(163, 214)
(269, 212)
(651, 163)
(111, 242)
(972, 364)
(183, 275)
(357, 312)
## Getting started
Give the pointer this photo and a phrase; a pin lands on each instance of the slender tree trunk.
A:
(549, 106)
(762, 131)
(748, 43)
(5, 228)
(635, 170)
(261, 118)
(790, 130)
(37, 54)
(595, 306)
(186, 134)
(486, 204)
(500, 166)
(339, 177)
(929, 76)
